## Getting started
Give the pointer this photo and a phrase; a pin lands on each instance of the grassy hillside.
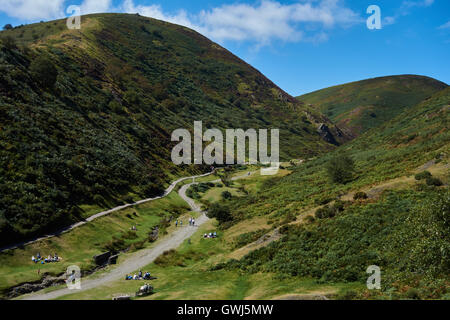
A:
(86, 115)
(300, 235)
(402, 225)
(360, 106)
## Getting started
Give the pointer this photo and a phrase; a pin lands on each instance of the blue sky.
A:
(302, 45)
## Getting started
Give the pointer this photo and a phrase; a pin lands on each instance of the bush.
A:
(422, 175)
(44, 71)
(226, 195)
(360, 196)
(413, 294)
(7, 26)
(220, 212)
(432, 181)
(341, 168)
(325, 212)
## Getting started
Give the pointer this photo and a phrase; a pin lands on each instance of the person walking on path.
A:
(176, 224)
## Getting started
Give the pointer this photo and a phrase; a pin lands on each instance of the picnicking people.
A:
(139, 276)
(211, 235)
(49, 259)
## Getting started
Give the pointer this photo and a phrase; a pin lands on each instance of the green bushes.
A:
(360, 196)
(428, 177)
(404, 224)
(220, 212)
(341, 168)
(44, 71)
(226, 195)
(330, 211)
(422, 175)
(433, 181)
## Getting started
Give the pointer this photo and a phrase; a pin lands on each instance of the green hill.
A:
(86, 115)
(390, 213)
(360, 106)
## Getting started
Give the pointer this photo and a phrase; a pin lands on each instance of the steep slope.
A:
(360, 106)
(86, 115)
(402, 227)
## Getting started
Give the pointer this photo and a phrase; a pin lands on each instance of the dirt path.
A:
(139, 259)
(101, 214)
(142, 257)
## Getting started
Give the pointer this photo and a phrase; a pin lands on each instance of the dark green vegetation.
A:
(360, 106)
(86, 115)
(403, 229)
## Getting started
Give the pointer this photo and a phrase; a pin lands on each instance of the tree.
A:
(226, 195)
(220, 212)
(44, 71)
(341, 168)
(7, 27)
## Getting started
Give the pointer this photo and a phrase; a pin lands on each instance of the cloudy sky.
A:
(302, 45)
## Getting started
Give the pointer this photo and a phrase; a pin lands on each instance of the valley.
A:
(87, 125)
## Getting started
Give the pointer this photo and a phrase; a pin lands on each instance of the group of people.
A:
(39, 259)
(139, 276)
(210, 235)
(180, 222)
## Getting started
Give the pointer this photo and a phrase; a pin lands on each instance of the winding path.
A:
(140, 258)
(143, 257)
(101, 214)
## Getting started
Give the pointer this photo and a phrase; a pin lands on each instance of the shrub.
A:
(226, 195)
(413, 294)
(220, 212)
(422, 175)
(325, 212)
(360, 196)
(432, 181)
(43, 71)
(7, 26)
(341, 168)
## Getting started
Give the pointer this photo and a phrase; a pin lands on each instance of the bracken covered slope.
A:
(359, 106)
(86, 115)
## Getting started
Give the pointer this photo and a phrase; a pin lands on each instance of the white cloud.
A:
(261, 23)
(95, 6)
(445, 26)
(33, 9)
(266, 21)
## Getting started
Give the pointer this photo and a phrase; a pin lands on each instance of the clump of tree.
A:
(44, 71)
(360, 196)
(226, 195)
(220, 212)
(341, 168)
(429, 179)
(330, 211)
(422, 175)
(7, 26)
